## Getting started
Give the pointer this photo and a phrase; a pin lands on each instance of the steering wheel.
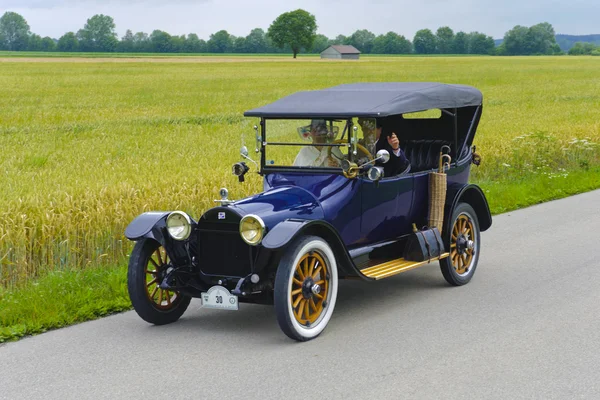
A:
(360, 147)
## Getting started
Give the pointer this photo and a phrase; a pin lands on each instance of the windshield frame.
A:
(265, 169)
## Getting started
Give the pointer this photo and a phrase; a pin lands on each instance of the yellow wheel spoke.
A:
(317, 271)
(321, 282)
(295, 292)
(295, 304)
(154, 292)
(160, 297)
(296, 281)
(305, 267)
(168, 298)
(312, 266)
(313, 305)
(151, 282)
(306, 310)
(319, 296)
(301, 308)
(150, 272)
(158, 256)
(452, 245)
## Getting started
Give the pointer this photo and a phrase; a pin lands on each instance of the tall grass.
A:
(86, 147)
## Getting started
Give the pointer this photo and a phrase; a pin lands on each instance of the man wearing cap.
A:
(318, 156)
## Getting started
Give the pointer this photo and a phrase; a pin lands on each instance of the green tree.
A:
(220, 42)
(256, 41)
(48, 44)
(141, 42)
(445, 40)
(34, 43)
(177, 44)
(460, 44)
(160, 42)
(14, 32)
(193, 44)
(68, 42)
(479, 43)
(582, 48)
(540, 39)
(126, 45)
(391, 43)
(424, 42)
(98, 34)
(362, 40)
(516, 41)
(239, 45)
(321, 43)
(297, 29)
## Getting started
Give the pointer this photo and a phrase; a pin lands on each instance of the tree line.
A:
(291, 32)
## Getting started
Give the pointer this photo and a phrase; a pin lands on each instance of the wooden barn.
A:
(343, 52)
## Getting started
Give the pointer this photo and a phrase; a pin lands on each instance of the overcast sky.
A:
(55, 17)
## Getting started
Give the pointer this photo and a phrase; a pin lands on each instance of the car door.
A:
(386, 208)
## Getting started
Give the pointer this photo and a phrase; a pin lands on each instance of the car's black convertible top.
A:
(379, 99)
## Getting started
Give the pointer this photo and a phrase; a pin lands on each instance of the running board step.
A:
(396, 266)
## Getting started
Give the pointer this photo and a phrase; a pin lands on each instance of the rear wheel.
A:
(148, 265)
(463, 239)
(306, 288)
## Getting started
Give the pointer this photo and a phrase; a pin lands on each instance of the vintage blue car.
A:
(362, 180)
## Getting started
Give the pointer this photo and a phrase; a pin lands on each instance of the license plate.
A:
(219, 297)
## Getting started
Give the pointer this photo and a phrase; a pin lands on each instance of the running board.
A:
(396, 266)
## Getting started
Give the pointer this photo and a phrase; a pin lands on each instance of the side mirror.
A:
(244, 151)
(383, 155)
(375, 174)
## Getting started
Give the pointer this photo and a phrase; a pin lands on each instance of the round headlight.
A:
(252, 229)
(179, 225)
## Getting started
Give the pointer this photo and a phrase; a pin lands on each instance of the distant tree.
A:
(14, 31)
(515, 41)
(98, 34)
(68, 42)
(556, 50)
(126, 45)
(424, 42)
(220, 42)
(256, 41)
(460, 44)
(296, 29)
(239, 45)
(177, 44)
(391, 43)
(160, 42)
(34, 43)
(321, 43)
(193, 44)
(341, 39)
(48, 44)
(141, 42)
(596, 51)
(581, 49)
(362, 40)
(540, 39)
(479, 43)
(445, 40)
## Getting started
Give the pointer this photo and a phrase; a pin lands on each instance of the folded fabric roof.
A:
(378, 99)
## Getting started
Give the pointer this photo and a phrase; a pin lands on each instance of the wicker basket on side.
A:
(437, 194)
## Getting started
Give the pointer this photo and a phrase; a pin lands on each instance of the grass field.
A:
(87, 146)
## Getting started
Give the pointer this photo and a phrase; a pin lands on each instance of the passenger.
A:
(398, 161)
(318, 156)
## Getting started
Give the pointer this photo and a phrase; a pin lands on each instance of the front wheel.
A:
(463, 239)
(148, 265)
(306, 286)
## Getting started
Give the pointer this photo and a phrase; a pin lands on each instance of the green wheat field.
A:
(87, 145)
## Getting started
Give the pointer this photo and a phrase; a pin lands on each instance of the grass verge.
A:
(62, 298)
(68, 297)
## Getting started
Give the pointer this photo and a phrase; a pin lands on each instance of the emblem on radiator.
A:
(221, 215)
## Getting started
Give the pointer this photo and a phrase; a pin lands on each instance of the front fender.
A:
(143, 224)
(286, 231)
(473, 195)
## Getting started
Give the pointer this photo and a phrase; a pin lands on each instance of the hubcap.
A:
(310, 288)
(462, 244)
(156, 269)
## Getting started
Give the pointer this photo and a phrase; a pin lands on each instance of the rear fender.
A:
(282, 234)
(473, 195)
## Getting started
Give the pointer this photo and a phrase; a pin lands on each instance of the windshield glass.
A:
(321, 143)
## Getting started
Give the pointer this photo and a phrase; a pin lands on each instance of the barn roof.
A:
(345, 49)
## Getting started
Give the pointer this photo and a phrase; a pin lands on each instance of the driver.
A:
(318, 156)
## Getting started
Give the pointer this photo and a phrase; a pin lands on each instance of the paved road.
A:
(527, 326)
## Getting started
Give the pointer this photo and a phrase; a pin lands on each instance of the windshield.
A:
(316, 143)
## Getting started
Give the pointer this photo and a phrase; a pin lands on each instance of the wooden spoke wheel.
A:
(463, 242)
(306, 288)
(148, 266)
